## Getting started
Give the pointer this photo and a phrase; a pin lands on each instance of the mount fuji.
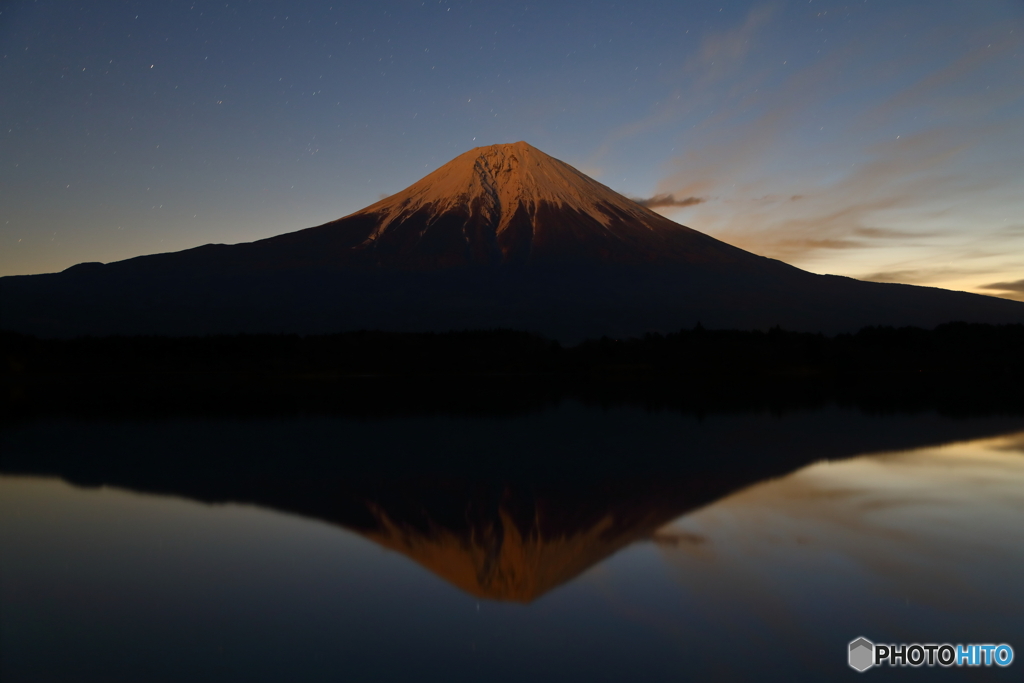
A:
(501, 236)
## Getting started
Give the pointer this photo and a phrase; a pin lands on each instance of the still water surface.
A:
(654, 571)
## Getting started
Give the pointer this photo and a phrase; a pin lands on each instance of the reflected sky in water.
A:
(917, 546)
(770, 582)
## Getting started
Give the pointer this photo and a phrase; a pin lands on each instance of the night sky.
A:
(880, 139)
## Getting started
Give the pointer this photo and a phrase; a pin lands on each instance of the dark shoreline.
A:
(957, 369)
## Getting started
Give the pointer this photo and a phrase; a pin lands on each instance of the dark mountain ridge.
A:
(502, 236)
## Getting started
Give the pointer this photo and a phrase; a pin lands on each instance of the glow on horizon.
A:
(875, 140)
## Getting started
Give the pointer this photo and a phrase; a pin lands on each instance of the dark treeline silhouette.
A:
(956, 367)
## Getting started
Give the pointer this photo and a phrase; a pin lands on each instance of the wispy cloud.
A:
(908, 276)
(917, 276)
(1007, 290)
(818, 166)
(1017, 286)
(721, 56)
(845, 214)
(891, 233)
(943, 275)
(802, 244)
(728, 49)
(667, 199)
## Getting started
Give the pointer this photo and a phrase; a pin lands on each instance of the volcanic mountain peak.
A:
(492, 183)
(502, 236)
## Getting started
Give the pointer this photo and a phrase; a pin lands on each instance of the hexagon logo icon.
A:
(862, 654)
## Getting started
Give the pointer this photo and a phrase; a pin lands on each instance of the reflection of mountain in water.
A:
(505, 509)
(518, 542)
(503, 562)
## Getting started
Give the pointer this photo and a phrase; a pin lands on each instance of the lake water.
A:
(570, 543)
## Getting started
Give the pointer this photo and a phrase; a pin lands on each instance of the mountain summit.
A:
(510, 204)
(499, 183)
(501, 236)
